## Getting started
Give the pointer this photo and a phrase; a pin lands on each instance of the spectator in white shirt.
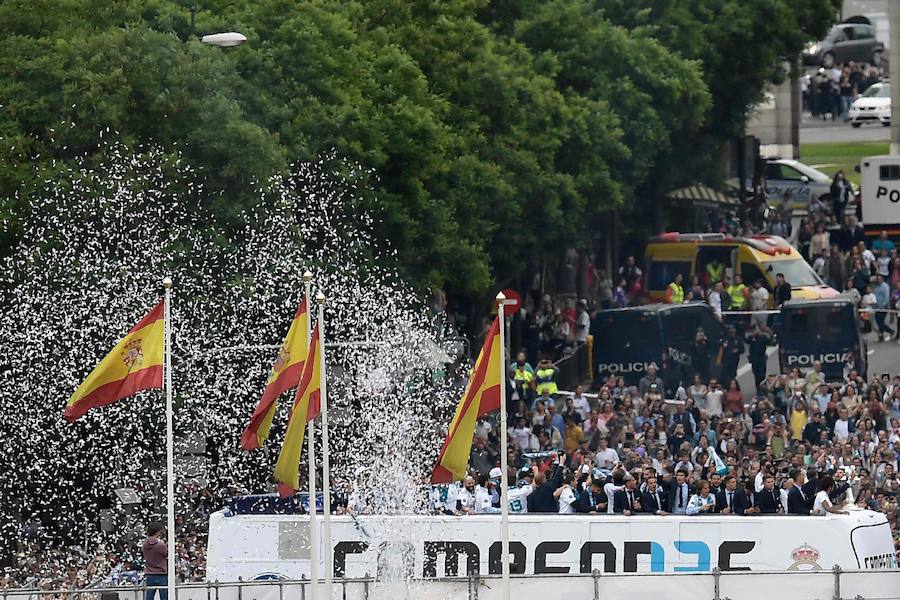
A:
(702, 502)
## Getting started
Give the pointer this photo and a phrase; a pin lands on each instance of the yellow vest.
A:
(715, 271)
(737, 296)
(524, 376)
(545, 381)
(677, 293)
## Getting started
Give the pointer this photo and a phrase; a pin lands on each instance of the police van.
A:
(628, 340)
(880, 194)
(820, 330)
(714, 255)
(276, 546)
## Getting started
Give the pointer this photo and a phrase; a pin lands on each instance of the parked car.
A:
(873, 106)
(845, 42)
(802, 181)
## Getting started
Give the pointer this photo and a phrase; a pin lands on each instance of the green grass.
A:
(837, 155)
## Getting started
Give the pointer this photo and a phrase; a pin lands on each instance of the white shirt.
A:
(697, 502)
(444, 496)
(714, 403)
(582, 406)
(759, 299)
(607, 459)
(842, 429)
(483, 501)
(784, 498)
(518, 498)
(820, 502)
(567, 502)
(583, 324)
(611, 489)
(715, 301)
(759, 482)
(466, 499)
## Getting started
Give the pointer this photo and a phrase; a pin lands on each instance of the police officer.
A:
(715, 271)
(545, 377)
(675, 291)
(732, 348)
(758, 342)
(739, 293)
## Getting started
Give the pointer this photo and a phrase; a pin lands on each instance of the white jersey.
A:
(483, 501)
(567, 502)
(518, 498)
(444, 497)
(466, 499)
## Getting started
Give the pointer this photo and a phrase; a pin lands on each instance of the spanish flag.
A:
(135, 364)
(307, 407)
(284, 375)
(481, 397)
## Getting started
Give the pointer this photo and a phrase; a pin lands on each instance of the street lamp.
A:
(224, 40)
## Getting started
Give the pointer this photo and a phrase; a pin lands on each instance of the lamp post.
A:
(224, 40)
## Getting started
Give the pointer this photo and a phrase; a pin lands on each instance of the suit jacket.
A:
(583, 504)
(797, 504)
(541, 499)
(739, 502)
(768, 502)
(672, 493)
(649, 504)
(620, 501)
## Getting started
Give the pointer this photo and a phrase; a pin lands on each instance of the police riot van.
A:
(628, 340)
(880, 194)
(820, 330)
(272, 546)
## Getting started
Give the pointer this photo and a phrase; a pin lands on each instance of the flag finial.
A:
(501, 297)
(167, 283)
(320, 298)
(307, 275)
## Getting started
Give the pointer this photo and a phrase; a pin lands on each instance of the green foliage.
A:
(496, 132)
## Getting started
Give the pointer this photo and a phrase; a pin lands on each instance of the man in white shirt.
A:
(518, 496)
(467, 496)
(582, 406)
(759, 300)
(715, 299)
(582, 323)
(606, 457)
(714, 399)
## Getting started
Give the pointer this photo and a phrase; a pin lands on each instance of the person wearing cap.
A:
(626, 501)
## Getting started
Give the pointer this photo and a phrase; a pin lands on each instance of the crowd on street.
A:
(828, 93)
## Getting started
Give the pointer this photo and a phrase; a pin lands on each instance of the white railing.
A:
(834, 584)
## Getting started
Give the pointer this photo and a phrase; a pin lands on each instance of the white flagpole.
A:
(170, 440)
(326, 471)
(504, 467)
(311, 457)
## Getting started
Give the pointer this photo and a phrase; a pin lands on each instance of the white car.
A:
(874, 105)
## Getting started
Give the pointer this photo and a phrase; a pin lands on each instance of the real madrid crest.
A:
(805, 558)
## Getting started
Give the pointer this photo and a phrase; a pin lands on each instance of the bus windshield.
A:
(617, 328)
(797, 272)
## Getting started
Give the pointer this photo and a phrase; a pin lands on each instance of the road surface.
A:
(813, 131)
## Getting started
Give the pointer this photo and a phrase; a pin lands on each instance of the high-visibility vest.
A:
(715, 272)
(737, 295)
(524, 376)
(677, 293)
(544, 378)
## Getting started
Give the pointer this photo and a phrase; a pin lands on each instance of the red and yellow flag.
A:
(481, 397)
(284, 375)
(307, 407)
(135, 364)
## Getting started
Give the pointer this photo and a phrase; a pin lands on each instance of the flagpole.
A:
(311, 457)
(326, 471)
(504, 467)
(170, 441)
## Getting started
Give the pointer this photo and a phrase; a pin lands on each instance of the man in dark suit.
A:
(627, 501)
(769, 499)
(541, 500)
(679, 493)
(782, 291)
(654, 500)
(811, 486)
(593, 499)
(731, 500)
(798, 503)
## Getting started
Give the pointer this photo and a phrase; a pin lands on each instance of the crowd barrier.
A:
(834, 584)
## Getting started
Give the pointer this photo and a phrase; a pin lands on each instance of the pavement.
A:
(813, 131)
(884, 357)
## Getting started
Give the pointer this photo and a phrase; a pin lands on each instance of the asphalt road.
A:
(814, 131)
(884, 357)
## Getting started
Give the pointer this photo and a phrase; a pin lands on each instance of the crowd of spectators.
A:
(830, 92)
(116, 559)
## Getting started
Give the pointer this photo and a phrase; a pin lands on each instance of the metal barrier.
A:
(834, 584)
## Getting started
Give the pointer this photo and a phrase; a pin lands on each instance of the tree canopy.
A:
(495, 132)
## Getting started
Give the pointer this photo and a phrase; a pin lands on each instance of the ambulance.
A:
(757, 257)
